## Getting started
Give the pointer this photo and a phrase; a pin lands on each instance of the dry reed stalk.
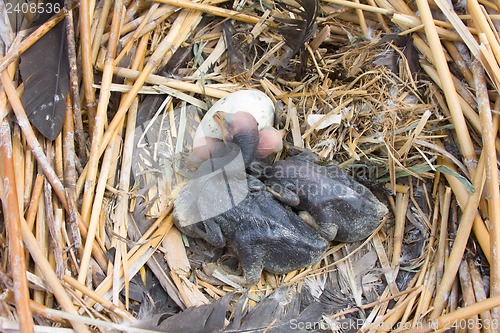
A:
(213, 10)
(73, 74)
(465, 142)
(462, 195)
(480, 294)
(423, 274)
(49, 276)
(100, 116)
(165, 281)
(403, 151)
(489, 135)
(31, 139)
(160, 15)
(377, 302)
(385, 264)
(87, 67)
(136, 255)
(378, 309)
(386, 321)
(489, 4)
(366, 8)
(101, 25)
(20, 48)
(399, 218)
(467, 110)
(413, 24)
(392, 317)
(482, 24)
(54, 229)
(196, 88)
(182, 27)
(122, 313)
(136, 34)
(450, 319)
(429, 286)
(175, 253)
(70, 173)
(96, 211)
(131, 10)
(124, 183)
(480, 52)
(120, 258)
(189, 292)
(18, 162)
(36, 308)
(41, 234)
(462, 236)
(462, 65)
(102, 324)
(442, 250)
(362, 21)
(10, 203)
(468, 295)
(29, 166)
(293, 122)
(35, 198)
(380, 18)
(352, 17)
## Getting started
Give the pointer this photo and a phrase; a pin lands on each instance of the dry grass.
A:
(425, 126)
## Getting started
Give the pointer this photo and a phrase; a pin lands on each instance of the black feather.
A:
(283, 311)
(297, 31)
(45, 72)
(240, 52)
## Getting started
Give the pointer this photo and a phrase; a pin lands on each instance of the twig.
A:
(449, 320)
(101, 25)
(366, 8)
(73, 79)
(100, 116)
(450, 93)
(70, 174)
(468, 294)
(480, 295)
(213, 10)
(12, 218)
(96, 212)
(461, 239)
(19, 49)
(50, 277)
(124, 314)
(87, 68)
(489, 136)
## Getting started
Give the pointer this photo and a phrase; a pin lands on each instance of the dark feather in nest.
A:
(283, 311)
(239, 52)
(297, 31)
(45, 72)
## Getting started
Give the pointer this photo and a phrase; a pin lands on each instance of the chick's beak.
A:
(220, 118)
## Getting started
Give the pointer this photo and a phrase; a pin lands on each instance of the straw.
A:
(32, 141)
(458, 249)
(450, 93)
(13, 217)
(489, 135)
(213, 10)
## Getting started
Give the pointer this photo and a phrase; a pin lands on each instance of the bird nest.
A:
(401, 95)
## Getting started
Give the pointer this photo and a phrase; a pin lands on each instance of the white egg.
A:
(254, 102)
